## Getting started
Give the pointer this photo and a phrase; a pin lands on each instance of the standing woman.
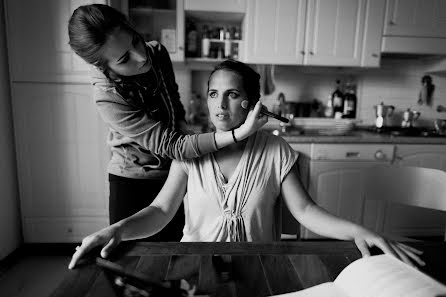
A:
(137, 96)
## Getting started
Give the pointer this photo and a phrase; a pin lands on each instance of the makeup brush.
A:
(245, 105)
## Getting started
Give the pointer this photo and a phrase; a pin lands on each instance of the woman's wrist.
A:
(240, 133)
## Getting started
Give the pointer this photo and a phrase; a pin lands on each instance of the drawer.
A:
(353, 152)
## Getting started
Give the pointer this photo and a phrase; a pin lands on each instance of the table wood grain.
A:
(235, 269)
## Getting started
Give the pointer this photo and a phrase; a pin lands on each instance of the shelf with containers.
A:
(213, 36)
(158, 20)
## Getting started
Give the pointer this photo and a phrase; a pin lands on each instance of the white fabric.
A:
(246, 208)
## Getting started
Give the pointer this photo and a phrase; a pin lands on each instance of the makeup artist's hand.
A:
(365, 238)
(108, 238)
(254, 121)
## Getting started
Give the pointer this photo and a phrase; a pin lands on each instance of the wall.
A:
(10, 234)
(397, 82)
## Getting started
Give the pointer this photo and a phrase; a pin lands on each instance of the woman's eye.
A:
(233, 95)
(125, 60)
(212, 94)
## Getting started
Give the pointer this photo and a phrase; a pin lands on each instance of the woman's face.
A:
(125, 54)
(225, 95)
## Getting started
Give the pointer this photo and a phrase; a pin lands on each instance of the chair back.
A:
(414, 186)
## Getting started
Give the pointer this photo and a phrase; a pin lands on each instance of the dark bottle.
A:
(191, 41)
(350, 101)
(337, 98)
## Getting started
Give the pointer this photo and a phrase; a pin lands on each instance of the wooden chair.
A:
(413, 186)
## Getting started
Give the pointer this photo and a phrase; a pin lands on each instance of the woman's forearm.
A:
(144, 223)
(326, 224)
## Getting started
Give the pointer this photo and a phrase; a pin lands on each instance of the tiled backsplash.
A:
(397, 82)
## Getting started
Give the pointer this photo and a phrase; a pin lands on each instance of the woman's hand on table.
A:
(364, 239)
(108, 238)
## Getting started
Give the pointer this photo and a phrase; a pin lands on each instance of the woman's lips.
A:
(222, 116)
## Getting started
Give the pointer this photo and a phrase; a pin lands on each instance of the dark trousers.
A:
(128, 196)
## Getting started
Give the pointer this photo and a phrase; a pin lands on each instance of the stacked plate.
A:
(325, 126)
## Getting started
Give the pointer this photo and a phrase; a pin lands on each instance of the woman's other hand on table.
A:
(108, 238)
(364, 239)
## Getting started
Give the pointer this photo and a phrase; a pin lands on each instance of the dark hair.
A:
(89, 28)
(250, 78)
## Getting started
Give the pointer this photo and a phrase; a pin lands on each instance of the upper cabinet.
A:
(314, 32)
(426, 18)
(216, 5)
(415, 27)
(38, 41)
(274, 31)
(159, 20)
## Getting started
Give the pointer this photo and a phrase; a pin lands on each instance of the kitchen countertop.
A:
(363, 137)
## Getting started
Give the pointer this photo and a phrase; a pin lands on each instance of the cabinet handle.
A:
(375, 55)
(392, 23)
(302, 52)
(70, 230)
(180, 48)
(311, 53)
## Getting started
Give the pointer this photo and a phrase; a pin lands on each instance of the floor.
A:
(34, 271)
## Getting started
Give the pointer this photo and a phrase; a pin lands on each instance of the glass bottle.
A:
(350, 101)
(337, 98)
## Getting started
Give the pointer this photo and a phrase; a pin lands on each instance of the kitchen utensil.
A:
(409, 117)
(382, 113)
(440, 126)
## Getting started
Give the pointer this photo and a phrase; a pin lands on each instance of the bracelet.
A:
(233, 136)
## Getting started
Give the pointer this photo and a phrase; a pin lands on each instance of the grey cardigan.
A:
(144, 130)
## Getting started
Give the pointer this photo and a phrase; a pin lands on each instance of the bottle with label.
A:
(329, 108)
(205, 42)
(350, 101)
(337, 98)
(227, 44)
(192, 40)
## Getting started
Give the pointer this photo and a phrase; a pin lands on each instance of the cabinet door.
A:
(216, 5)
(411, 221)
(373, 28)
(334, 32)
(338, 187)
(159, 20)
(415, 18)
(38, 41)
(61, 152)
(274, 31)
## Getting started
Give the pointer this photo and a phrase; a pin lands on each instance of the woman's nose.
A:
(223, 102)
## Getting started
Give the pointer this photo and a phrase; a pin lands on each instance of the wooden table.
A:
(257, 269)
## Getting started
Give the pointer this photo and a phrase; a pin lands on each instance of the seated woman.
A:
(232, 194)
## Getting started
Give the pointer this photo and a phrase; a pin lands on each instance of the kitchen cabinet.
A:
(336, 177)
(159, 20)
(415, 26)
(415, 18)
(410, 221)
(38, 41)
(314, 32)
(238, 6)
(61, 161)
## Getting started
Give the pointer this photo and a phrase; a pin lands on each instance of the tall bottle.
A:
(205, 43)
(192, 40)
(337, 99)
(350, 101)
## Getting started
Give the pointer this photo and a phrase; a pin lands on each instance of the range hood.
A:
(413, 45)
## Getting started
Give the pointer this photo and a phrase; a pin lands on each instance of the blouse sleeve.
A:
(287, 157)
(130, 121)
